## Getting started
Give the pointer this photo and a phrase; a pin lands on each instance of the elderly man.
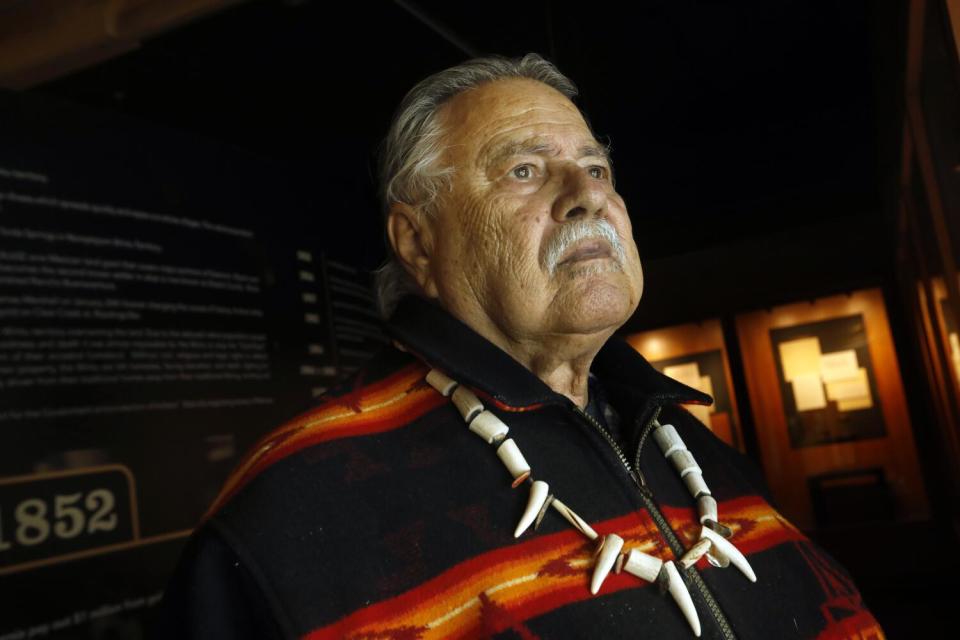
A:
(508, 469)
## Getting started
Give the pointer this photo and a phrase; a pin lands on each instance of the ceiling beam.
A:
(953, 15)
(44, 39)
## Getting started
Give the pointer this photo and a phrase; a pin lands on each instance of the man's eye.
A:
(523, 172)
(597, 172)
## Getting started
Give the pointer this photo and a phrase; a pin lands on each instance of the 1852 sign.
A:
(52, 516)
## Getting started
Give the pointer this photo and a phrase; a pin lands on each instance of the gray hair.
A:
(410, 170)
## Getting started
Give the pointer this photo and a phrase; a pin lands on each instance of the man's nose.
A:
(581, 195)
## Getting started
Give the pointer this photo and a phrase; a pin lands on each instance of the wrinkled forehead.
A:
(479, 123)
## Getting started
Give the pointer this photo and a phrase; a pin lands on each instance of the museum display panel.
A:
(830, 413)
(165, 302)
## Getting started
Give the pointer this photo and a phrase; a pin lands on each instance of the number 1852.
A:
(65, 517)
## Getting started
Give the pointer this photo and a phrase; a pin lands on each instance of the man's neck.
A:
(566, 377)
(561, 362)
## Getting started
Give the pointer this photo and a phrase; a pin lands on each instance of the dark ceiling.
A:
(728, 120)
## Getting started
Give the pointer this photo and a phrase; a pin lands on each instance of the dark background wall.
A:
(752, 126)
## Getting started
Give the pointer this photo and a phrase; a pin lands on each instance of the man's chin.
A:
(595, 306)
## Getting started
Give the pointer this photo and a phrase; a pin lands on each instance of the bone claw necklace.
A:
(609, 554)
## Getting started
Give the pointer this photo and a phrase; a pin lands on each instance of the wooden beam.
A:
(953, 16)
(915, 14)
(45, 39)
(916, 148)
(143, 18)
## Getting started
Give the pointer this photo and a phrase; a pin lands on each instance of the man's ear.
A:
(412, 243)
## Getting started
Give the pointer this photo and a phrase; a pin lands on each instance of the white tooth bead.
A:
(489, 427)
(682, 597)
(668, 439)
(707, 508)
(694, 553)
(726, 548)
(642, 565)
(441, 383)
(609, 551)
(718, 527)
(695, 484)
(571, 517)
(717, 559)
(538, 495)
(467, 403)
(509, 454)
(684, 463)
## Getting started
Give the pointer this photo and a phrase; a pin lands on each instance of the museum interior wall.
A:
(188, 222)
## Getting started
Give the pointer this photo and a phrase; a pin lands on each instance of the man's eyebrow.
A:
(598, 150)
(537, 146)
(532, 146)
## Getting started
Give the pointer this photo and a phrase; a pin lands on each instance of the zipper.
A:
(637, 476)
(647, 497)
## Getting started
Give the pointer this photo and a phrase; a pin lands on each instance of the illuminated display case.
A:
(695, 354)
(831, 417)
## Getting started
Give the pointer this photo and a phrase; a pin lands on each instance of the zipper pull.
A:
(644, 433)
(642, 481)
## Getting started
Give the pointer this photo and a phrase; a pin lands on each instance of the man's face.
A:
(515, 242)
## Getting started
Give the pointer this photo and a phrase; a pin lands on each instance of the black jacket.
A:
(379, 515)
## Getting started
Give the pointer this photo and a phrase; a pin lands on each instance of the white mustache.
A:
(571, 233)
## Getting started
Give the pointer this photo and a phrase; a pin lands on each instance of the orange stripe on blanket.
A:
(531, 578)
(389, 404)
(349, 403)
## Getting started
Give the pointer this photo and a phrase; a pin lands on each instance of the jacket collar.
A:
(442, 341)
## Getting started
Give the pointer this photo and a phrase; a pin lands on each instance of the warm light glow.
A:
(653, 348)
